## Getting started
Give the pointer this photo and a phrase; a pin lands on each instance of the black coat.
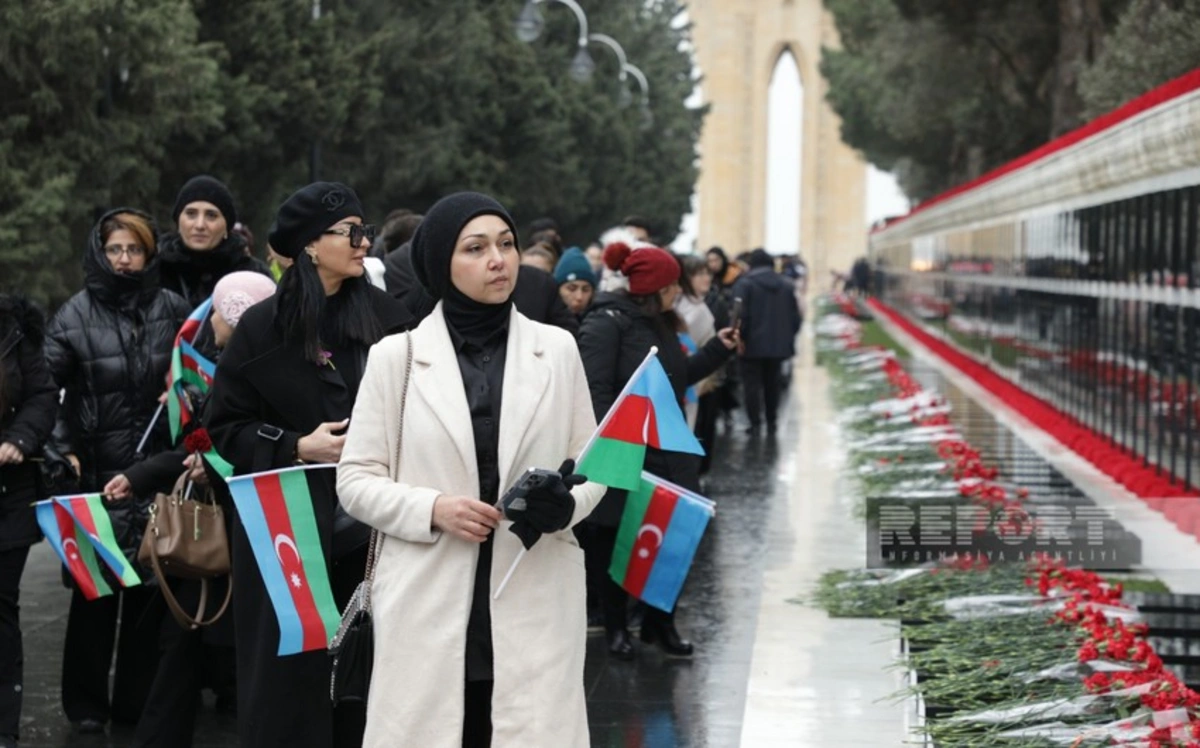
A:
(193, 275)
(614, 339)
(28, 404)
(535, 295)
(264, 383)
(770, 315)
(109, 347)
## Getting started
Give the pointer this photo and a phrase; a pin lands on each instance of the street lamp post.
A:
(314, 163)
(640, 77)
(624, 98)
(529, 25)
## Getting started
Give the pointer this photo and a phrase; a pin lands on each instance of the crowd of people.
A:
(432, 361)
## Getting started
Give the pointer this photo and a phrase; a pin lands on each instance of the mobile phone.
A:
(735, 316)
(513, 500)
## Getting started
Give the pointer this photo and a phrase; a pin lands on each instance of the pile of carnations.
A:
(1020, 655)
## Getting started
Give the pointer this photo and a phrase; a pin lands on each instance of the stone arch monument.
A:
(738, 44)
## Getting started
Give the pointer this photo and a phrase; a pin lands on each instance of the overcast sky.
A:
(785, 123)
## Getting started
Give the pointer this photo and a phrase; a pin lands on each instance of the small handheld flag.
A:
(89, 515)
(276, 509)
(657, 540)
(646, 413)
(188, 367)
(73, 549)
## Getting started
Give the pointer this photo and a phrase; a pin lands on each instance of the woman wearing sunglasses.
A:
(283, 392)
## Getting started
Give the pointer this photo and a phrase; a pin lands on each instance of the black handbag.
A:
(353, 646)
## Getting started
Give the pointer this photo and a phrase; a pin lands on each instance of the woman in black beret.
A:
(283, 392)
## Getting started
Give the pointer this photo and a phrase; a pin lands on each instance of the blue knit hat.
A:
(574, 266)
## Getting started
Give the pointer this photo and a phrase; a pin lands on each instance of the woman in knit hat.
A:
(489, 394)
(204, 247)
(615, 337)
(282, 394)
(576, 281)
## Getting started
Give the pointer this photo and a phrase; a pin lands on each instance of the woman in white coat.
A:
(491, 394)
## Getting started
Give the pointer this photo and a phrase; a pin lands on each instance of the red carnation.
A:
(198, 441)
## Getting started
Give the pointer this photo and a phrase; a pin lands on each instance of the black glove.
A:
(549, 507)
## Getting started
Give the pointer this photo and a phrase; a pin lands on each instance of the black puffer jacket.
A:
(28, 404)
(614, 339)
(109, 347)
(193, 274)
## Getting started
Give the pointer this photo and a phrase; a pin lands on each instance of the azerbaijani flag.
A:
(659, 533)
(688, 344)
(188, 366)
(89, 515)
(276, 509)
(646, 413)
(75, 550)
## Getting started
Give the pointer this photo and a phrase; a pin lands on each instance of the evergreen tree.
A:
(93, 89)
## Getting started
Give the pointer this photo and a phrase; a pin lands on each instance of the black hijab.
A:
(432, 248)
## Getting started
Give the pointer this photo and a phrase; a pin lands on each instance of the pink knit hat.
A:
(237, 292)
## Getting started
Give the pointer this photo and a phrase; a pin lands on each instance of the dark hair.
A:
(691, 266)
(305, 314)
(244, 231)
(551, 239)
(396, 213)
(538, 225)
(639, 222)
(667, 323)
(399, 230)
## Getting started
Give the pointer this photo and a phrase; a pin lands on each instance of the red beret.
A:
(649, 269)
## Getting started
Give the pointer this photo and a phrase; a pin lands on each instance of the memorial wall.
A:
(1075, 272)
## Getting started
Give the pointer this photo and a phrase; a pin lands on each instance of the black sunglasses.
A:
(356, 232)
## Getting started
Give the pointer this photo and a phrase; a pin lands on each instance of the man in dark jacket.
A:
(770, 321)
(535, 295)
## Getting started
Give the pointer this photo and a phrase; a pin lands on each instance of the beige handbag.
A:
(185, 538)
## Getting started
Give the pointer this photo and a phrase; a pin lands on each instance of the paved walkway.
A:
(768, 672)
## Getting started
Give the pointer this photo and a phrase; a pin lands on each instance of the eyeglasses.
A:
(113, 251)
(356, 232)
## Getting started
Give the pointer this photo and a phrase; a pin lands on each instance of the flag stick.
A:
(612, 410)
(149, 428)
(318, 466)
(508, 576)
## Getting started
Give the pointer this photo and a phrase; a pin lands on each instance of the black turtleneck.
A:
(481, 360)
(473, 320)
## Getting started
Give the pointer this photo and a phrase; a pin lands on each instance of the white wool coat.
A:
(423, 584)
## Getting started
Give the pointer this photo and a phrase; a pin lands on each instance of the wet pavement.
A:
(653, 701)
